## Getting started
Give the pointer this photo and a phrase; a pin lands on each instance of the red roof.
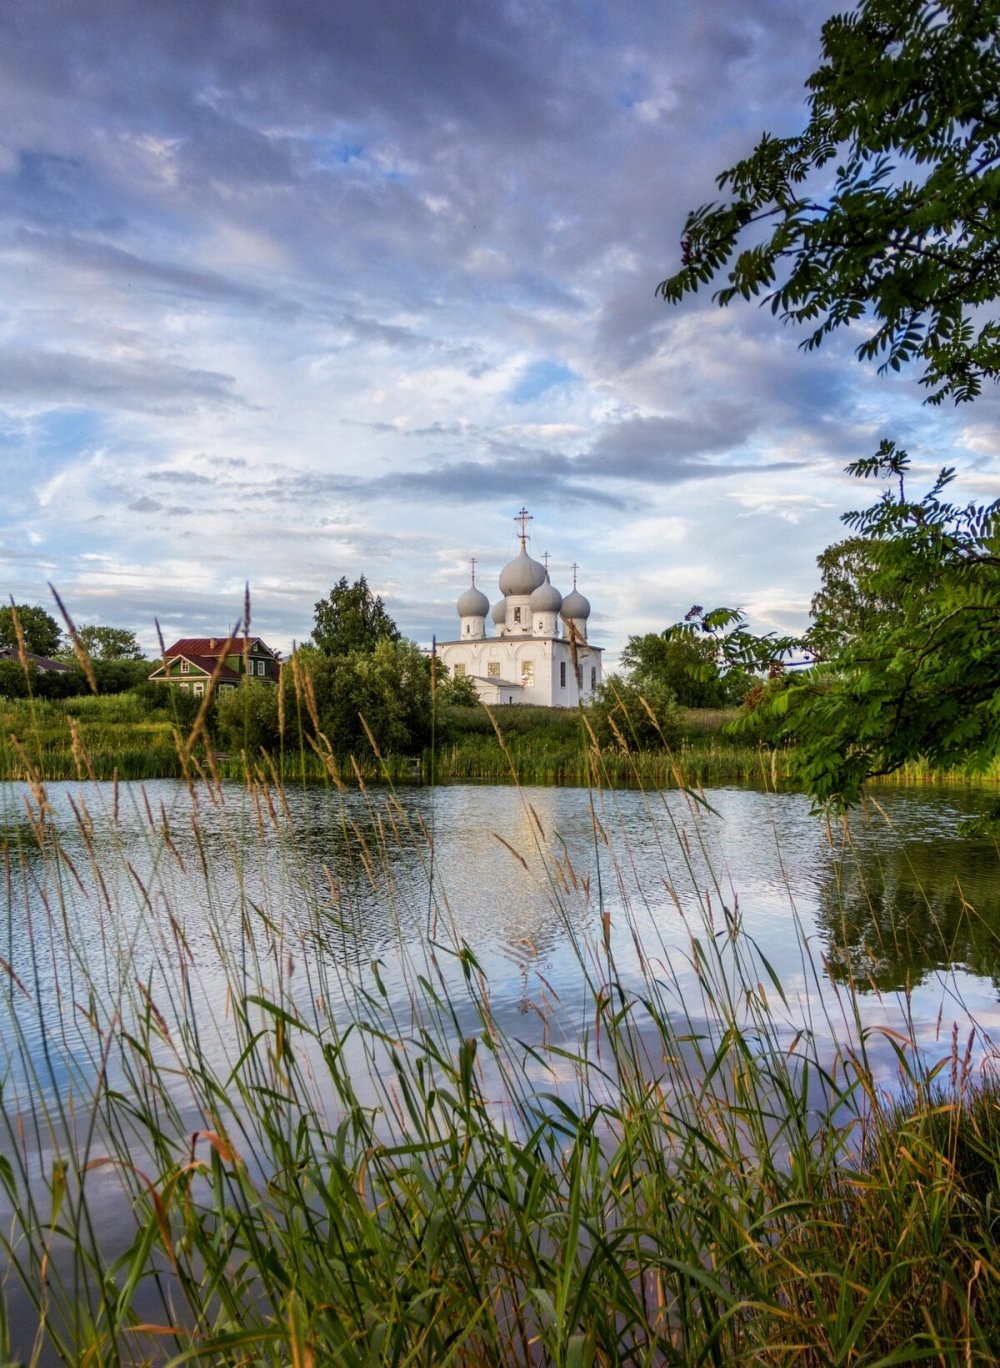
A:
(206, 664)
(214, 647)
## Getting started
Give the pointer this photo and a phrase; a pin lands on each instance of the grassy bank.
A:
(687, 1178)
(122, 736)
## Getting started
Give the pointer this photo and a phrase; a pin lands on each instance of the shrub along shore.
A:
(145, 735)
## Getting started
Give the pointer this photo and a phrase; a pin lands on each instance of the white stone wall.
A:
(547, 661)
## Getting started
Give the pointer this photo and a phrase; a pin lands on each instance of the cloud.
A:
(310, 289)
(128, 269)
(31, 378)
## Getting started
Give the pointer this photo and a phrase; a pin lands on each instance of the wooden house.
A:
(191, 662)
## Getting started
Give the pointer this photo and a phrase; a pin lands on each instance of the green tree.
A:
(351, 618)
(385, 691)
(634, 716)
(887, 206)
(110, 643)
(686, 660)
(854, 597)
(14, 683)
(42, 635)
(456, 691)
(921, 680)
(248, 716)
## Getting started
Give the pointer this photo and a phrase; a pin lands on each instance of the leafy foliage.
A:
(923, 680)
(686, 659)
(634, 715)
(109, 643)
(351, 618)
(382, 695)
(248, 716)
(457, 691)
(905, 113)
(42, 634)
(853, 598)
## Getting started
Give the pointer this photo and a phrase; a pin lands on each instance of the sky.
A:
(292, 290)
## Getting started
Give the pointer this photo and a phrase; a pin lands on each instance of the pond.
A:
(171, 888)
(156, 934)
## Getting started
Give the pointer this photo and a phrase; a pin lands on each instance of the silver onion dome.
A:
(522, 575)
(473, 603)
(546, 598)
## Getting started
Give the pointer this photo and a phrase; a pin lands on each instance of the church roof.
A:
(473, 603)
(522, 575)
(575, 606)
(546, 598)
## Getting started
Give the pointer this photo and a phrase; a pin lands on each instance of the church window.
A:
(593, 676)
(517, 615)
(541, 626)
(562, 674)
(528, 673)
(459, 671)
(579, 676)
(493, 669)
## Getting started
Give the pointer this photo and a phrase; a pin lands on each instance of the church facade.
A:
(538, 651)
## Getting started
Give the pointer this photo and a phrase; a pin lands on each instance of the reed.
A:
(319, 1166)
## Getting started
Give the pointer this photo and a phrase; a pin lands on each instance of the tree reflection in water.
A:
(904, 899)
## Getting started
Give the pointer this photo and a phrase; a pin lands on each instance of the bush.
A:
(631, 716)
(14, 682)
(248, 717)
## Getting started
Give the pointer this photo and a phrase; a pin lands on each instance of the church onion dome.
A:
(500, 611)
(473, 603)
(575, 606)
(522, 575)
(546, 598)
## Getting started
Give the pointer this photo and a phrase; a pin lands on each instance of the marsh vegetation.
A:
(493, 1076)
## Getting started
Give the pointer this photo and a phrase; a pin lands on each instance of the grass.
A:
(329, 1167)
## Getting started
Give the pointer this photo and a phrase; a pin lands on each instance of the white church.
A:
(528, 659)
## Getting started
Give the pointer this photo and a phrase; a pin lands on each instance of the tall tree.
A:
(351, 618)
(42, 634)
(686, 660)
(110, 643)
(385, 692)
(923, 679)
(905, 232)
(855, 595)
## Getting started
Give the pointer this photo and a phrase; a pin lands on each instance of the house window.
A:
(262, 667)
(459, 671)
(528, 673)
(198, 689)
(562, 674)
(493, 669)
(517, 615)
(184, 688)
(185, 667)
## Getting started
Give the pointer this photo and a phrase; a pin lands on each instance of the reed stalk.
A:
(316, 1163)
